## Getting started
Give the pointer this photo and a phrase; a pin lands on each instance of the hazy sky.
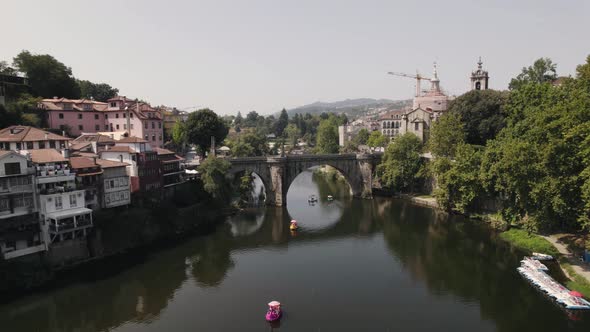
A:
(266, 55)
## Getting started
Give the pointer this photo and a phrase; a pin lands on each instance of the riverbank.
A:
(576, 271)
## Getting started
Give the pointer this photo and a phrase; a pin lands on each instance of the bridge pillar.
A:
(365, 164)
(277, 182)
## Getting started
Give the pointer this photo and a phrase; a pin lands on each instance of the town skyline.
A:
(260, 56)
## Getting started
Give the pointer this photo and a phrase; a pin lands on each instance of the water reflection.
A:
(355, 265)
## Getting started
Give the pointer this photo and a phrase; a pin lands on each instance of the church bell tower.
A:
(479, 78)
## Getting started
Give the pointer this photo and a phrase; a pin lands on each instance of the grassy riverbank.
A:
(529, 242)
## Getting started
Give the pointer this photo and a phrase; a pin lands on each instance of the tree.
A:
(402, 164)
(238, 120)
(5, 69)
(542, 70)
(47, 76)
(482, 114)
(213, 171)
(445, 135)
(242, 149)
(245, 188)
(361, 137)
(377, 140)
(327, 140)
(251, 119)
(281, 123)
(98, 91)
(458, 183)
(257, 141)
(200, 127)
(293, 134)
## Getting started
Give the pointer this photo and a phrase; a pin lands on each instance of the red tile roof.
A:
(28, 134)
(41, 156)
(161, 151)
(82, 162)
(110, 163)
(131, 139)
(119, 148)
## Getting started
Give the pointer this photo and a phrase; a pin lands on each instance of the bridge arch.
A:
(277, 173)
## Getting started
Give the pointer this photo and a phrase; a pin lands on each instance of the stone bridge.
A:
(277, 173)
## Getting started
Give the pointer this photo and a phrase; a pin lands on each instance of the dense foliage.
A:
(199, 128)
(402, 166)
(97, 91)
(213, 171)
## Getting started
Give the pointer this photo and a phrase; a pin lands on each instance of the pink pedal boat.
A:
(274, 311)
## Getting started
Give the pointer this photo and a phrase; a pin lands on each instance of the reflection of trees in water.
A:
(459, 258)
(328, 185)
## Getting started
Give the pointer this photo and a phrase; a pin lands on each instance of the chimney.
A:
(46, 136)
(63, 133)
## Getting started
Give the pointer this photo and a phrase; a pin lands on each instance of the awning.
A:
(88, 174)
(69, 213)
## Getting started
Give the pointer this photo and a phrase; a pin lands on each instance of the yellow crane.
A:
(417, 77)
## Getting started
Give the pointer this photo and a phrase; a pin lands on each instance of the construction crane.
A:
(417, 77)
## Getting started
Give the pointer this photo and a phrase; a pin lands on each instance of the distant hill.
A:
(353, 108)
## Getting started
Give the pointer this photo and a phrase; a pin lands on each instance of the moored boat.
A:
(330, 198)
(312, 199)
(293, 225)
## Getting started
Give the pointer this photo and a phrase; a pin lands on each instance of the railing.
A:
(54, 172)
(57, 190)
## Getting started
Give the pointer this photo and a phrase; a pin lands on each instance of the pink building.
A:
(74, 116)
(88, 116)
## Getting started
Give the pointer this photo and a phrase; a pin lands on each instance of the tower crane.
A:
(417, 77)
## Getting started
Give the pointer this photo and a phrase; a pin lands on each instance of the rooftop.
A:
(28, 134)
(131, 139)
(82, 162)
(42, 156)
(109, 163)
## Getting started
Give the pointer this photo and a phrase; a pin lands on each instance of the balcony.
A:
(25, 188)
(13, 253)
(58, 190)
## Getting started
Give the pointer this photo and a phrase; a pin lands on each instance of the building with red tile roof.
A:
(18, 138)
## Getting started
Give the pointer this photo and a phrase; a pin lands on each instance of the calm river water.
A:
(355, 265)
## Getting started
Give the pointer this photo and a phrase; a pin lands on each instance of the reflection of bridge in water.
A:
(277, 173)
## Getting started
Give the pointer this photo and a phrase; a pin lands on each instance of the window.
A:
(112, 182)
(154, 138)
(106, 127)
(124, 116)
(61, 115)
(124, 126)
(41, 145)
(12, 168)
(132, 126)
(145, 125)
(80, 116)
(97, 127)
(153, 125)
(106, 116)
(416, 126)
(95, 116)
(117, 115)
(147, 137)
(160, 138)
(72, 200)
(113, 104)
(121, 158)
(117, 127)
(58, 203)
(159, 125)
(131, 115)
(18, 146)
(81, 127)
(52, 144)
(29, 145)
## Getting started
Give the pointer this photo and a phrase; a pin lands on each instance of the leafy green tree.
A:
(257, 141)
(242, 149)
(213, 171)
(361, 137)
(246, 188)
(327, 140)
(377, 140)
(402, 164)
(251, 119)
(293, 134)
(6, 69)
(47, 76)
(200, 127)
(445, 135)
(458, 182)
(239, 120)
(482, 114)
(542, 70)
(98, 91)
(282, 123)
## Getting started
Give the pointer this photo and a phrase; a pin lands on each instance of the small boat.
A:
(274, 312)
(293, 225)
(330, 198)
(541, 257)
(312, 199)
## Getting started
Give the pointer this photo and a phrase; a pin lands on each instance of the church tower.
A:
(479, 78)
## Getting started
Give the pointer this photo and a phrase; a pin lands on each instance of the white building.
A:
(20, 233)
(116, 190)
(62, 208)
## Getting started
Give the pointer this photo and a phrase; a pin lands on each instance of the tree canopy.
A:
(327, 140)
(402, 164)
(543, 70)
(377, 140)
(198, 129)
(98, 91)
(47, 76)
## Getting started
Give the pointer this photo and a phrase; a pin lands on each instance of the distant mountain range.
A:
(353, 108)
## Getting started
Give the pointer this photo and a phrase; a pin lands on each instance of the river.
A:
(354, 265)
